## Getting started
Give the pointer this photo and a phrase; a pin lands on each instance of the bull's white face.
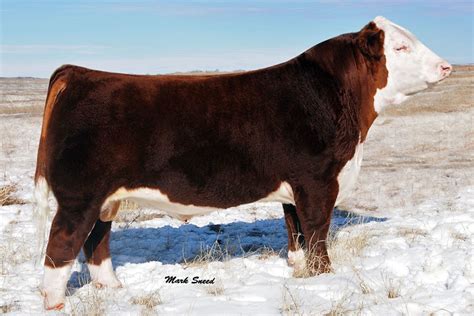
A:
(411, 66)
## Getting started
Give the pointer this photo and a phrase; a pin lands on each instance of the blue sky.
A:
(166, 36)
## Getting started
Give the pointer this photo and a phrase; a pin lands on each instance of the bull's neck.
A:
(355, 76)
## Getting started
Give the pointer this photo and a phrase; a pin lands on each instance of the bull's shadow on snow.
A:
(170, 245)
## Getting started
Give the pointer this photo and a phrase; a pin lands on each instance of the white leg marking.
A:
(103, 275)
(54, 286)
(296, 259)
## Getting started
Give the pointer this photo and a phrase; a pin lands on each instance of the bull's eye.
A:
(402, 48)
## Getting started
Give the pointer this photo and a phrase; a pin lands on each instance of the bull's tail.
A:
(57, 84)
(41, 215)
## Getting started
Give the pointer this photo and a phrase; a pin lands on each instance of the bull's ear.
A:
(370, 40)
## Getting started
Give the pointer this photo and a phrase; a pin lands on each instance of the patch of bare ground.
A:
(7, 196)
(464, 67)
(8, 308)
(90, 303)
(148, 301)
(216, 252)
(22, 95)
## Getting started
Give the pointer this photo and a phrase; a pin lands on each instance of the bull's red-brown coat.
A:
(215, 141)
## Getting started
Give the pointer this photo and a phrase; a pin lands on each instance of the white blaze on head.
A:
(411, 65)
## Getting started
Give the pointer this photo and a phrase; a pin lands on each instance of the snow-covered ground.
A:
(410, 252)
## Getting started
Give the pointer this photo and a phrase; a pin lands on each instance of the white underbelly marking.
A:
(156, 199)
(283, 194)
(348, 175)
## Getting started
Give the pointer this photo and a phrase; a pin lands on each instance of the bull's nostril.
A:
(445, 68)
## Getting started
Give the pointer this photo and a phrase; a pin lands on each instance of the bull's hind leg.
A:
(97, 252)
(295, 238)
(69, 230)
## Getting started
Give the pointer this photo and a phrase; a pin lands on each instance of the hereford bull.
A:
(291, 133)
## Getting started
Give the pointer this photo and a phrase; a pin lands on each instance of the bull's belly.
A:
(154, 198)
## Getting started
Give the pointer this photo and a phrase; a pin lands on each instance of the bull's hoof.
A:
(103, 275)
(52, 301)
(56, 307)
(297, 260)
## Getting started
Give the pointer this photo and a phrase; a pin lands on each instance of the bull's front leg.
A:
(314, 205)
(295, 238)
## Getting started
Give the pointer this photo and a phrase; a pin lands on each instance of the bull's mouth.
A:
(432, 84)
